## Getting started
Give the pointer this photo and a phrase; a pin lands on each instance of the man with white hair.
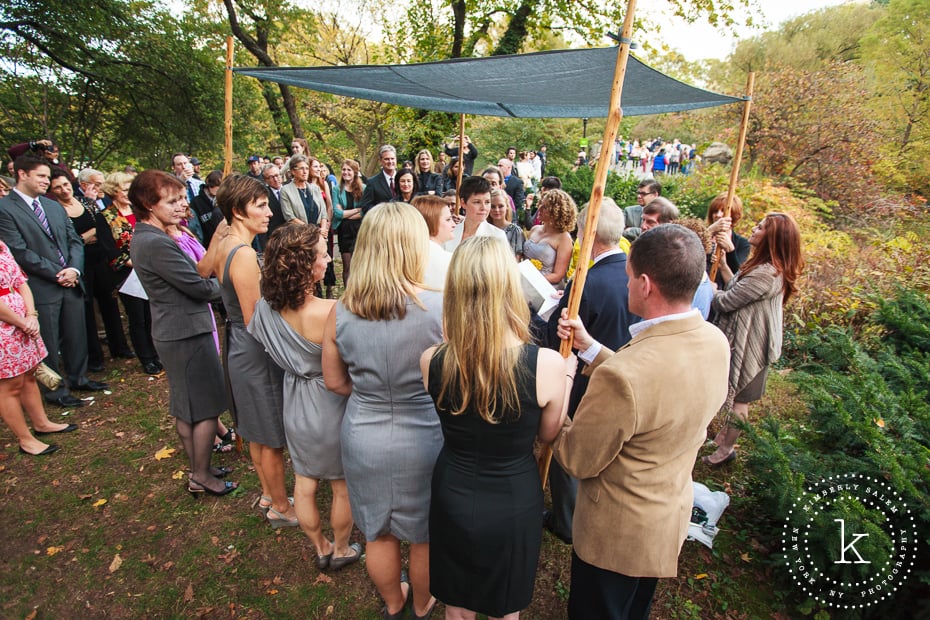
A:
(513, 185)
(605, 312)
(91, 181)
(380, 187)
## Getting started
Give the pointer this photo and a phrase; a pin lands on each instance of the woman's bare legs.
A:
(340, 517)
(11, 410)
(31, 400)
(728, 435)
(382, 559)
(419, 578)
(308, 514)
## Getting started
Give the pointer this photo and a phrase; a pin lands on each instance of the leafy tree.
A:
(897, 50)
(118, 81)
(811, 126)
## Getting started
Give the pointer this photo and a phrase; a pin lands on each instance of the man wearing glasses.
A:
(648, 190)
(271, 175)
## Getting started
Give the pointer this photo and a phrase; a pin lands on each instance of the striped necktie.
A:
(40, 213)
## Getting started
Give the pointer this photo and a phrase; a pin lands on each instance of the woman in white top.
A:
(440, 223)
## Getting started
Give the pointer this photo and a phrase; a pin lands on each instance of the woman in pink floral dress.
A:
(21, 350)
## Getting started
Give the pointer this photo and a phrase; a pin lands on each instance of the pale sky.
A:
(700, 40)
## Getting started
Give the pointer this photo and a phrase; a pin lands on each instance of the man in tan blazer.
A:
(637, 431)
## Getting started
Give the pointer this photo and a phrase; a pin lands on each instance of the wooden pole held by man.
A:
(615, 115)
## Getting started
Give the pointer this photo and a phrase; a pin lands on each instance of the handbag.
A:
(47, 377)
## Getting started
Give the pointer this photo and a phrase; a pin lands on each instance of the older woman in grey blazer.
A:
(302, 199)
(182, 329)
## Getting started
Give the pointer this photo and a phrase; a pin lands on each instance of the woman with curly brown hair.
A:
(750, 313)
(288, 321)
(550, 243)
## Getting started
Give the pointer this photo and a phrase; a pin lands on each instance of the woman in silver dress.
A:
(289, 322)
(390, 434)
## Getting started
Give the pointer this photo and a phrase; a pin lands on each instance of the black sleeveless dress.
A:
(485, 520)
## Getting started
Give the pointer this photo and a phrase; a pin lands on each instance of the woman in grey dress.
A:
(182, 326)
(256, 383)
(390, 434)
(289, 322)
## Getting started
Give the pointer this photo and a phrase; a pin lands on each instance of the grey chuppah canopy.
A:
(558, 84)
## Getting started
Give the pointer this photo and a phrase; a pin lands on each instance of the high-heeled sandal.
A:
(276, 519)
(226, 442)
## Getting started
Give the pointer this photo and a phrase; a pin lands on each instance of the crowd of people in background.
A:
(419, 394)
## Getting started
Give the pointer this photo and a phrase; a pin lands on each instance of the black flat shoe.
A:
(195, 488)
(97, 367)
(152, 368)
(404, 578)
(49, 450)
(68, 429)
(340, 563)
(66, 401)
(127, 354)
(92, 386)
(222, 472)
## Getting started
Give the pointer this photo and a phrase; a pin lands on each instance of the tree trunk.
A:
(458, 33)
(258, 47)
(516, 31)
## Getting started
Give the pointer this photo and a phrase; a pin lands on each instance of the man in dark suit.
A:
(605, 312)
(513, 185)
(44, 243)
(271, 175)
(380, 187)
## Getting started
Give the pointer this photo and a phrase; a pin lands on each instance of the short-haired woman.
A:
(255, 382)
(495, 394)
(750, 313)
(182, 324)
(288, 321)
(390, 434)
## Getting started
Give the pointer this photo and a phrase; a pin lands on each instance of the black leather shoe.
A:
(49, 450)
(97, 367)
(152, 368)
(92, 386)
(67, 401)
(127, 354)
(68, 429)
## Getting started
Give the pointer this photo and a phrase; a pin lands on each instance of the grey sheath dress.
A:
(255, 382)
(312, 414)
(390, 434)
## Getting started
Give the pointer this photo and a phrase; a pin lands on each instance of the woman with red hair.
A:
(749, 312)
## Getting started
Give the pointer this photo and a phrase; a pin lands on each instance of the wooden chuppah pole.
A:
(458, 181)
(227, 126)
(615, 115)
(734, 173)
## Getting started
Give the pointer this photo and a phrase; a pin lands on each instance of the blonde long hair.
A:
(482, 305)
(390, 257)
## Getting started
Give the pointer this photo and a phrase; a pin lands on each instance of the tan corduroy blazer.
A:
(633, 443)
